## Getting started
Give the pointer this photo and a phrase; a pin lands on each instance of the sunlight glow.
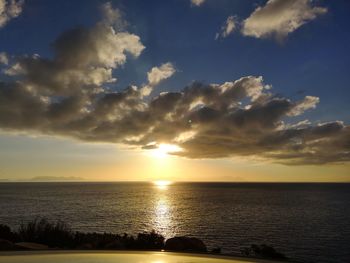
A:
(164, 150)
(162, 184)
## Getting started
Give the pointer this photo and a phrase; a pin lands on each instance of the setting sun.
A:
(162, 184)
(164, 150)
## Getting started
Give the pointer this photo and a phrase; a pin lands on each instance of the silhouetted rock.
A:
(116, 244)
(31, 246)
(6, 245)
(185, 244)
(263, 251)
(86, 246)
(216, 250)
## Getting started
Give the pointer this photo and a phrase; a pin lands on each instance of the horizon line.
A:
(173, 182)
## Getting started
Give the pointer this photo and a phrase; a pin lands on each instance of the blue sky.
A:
(310, 60)
(313, 60)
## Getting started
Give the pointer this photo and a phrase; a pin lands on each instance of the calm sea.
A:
(307, 222)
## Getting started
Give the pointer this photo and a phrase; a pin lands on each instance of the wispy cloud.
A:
(228, 28)
(9, 9)
(278, 18)
(3, 58)
(197, 2)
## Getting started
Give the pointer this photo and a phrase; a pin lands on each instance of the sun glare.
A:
(162, 184)
(164, 150)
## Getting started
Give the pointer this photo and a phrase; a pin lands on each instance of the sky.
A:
(181, 90)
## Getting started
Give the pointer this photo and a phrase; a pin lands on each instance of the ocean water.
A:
(307, 222)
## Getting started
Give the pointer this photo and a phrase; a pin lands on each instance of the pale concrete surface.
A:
(115, 257)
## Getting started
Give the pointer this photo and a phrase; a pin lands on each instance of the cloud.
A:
(71, 95)
(3, 58)
(156, 75)
(9, 9)
(237, 118)
(228, 28)
(309, 102)
(197, 2)
(83, 59)
(112, 16)
(278, 18)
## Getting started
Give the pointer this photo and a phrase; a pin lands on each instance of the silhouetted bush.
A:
(263, 251)
(60, 235)
(6, 233)
(150, 240)
(52, 234)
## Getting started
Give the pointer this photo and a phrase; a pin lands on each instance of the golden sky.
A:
(25, 158)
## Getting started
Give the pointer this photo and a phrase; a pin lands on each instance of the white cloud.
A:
(309, 102)
(157, 75)
(197, 2)
(278, 18)
(228, 28)
(3, 58)
(9, 9)
(112, 16)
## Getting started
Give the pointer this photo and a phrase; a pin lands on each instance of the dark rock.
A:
(185, 244)
(87, 246)
(265, 251)
(6, 245)
(216, 250)
(115, 245)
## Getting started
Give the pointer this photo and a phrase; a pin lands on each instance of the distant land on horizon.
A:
(46, 179)
(72, 179)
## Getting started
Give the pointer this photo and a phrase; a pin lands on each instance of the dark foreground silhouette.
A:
(42, 234)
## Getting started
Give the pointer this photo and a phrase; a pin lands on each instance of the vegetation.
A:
(60, 236)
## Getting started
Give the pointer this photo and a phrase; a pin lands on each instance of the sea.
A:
(308, 222)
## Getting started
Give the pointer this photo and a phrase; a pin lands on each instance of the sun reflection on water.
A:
(162, 214)
(163, 211)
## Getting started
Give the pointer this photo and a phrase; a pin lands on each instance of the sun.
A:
(162, 184)
(164, 150)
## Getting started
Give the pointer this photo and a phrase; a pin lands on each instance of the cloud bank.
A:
(9, 9)
(68, 95)
(278, 18)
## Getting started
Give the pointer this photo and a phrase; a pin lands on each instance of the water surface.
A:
(307, 222)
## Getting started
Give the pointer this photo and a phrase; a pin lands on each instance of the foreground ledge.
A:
(119, 256)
